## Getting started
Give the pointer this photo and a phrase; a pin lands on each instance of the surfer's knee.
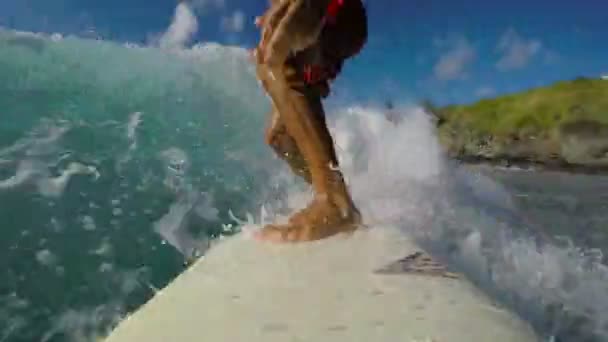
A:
(281, 141)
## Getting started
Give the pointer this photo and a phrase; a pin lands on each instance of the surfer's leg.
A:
(285, 147)
(332, 210)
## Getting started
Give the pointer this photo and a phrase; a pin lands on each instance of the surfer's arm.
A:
(290, 26)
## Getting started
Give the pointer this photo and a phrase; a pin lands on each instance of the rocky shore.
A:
(560, 127)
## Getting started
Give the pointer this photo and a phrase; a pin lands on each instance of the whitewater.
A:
(119, 163)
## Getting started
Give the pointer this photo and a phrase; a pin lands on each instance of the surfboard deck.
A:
(372, 285)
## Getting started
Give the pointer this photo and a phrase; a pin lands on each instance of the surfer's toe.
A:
(312, 223)
(277, 233)
(302, 231)
(290, 233)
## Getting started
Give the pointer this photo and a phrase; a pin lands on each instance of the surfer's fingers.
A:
(259, 21)
(270, 20)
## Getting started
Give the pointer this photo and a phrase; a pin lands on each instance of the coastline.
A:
(559, 127)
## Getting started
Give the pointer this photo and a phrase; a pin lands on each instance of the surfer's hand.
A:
(287, 27)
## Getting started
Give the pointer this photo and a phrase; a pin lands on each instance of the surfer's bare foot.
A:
(321, 219)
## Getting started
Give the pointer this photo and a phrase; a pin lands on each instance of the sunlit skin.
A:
(297, 132)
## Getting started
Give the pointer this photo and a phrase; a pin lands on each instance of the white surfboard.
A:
(346, 288)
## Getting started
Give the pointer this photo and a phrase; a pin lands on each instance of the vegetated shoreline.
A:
(561, 127)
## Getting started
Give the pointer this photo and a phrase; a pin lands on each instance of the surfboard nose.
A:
(327, 290)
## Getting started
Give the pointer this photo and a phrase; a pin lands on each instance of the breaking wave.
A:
(129, 159)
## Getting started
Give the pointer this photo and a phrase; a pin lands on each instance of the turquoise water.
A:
(112, 162)
(118, 164)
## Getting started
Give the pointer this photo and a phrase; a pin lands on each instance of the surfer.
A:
(303, 46)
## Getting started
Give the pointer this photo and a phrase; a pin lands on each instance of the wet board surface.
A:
(373, 285)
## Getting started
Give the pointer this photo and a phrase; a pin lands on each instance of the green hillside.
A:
(564, 123)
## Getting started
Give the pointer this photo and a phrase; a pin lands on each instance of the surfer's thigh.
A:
(288, 80)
